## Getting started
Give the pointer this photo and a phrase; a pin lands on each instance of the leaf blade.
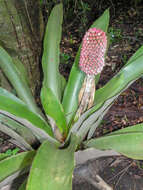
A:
(54, 109)
(14, 163)
(128, 73)
(22, 89)
(50, 58)
(128, 144)
(59, 168)
(13, 105)
(22, 143)
(18, 128)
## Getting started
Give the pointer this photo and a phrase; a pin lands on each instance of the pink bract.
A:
(92, 51)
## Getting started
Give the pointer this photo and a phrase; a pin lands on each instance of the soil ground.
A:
(118, 172)
(126, 33)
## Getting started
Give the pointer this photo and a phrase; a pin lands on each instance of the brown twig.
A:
(122, 172)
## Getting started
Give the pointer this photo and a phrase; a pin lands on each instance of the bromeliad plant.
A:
(72, 110)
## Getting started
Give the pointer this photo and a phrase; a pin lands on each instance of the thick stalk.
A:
(86, 95)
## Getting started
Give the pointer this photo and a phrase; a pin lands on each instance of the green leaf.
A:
(89, 121)
(127, 142)
(3, 156)
(9, 152)
(52, 85)
(21, 141)
(63, 83)
(53, 167)
(24, 132)
(130, 72)
(54, 109)
(22, 89)
(98, 116)
(23, 74)
(134, 128)
(39, 133)
(70, 98)
(15, 151)
(136, 55)
(13, 105)
(50, 58)
(15, 163)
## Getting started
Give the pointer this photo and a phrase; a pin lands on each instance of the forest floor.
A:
(126, 34)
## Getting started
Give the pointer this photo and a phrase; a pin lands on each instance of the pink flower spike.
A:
(92, 51)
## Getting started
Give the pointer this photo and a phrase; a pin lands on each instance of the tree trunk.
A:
(21, 32)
